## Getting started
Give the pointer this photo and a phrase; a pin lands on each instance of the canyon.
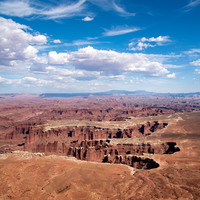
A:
(91, 143)
(148, 137)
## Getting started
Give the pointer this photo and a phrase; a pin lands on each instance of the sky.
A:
(77, 46)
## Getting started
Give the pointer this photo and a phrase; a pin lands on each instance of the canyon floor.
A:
(34, 168)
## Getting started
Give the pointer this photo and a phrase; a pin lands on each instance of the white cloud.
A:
(38, 39)
(164, 58)
(92, 38)
(24, 8)
(29, 80)
(108, 62)
(121, 10)
(64, 11)
(117, 78)
(111, 5)
(15, 42)
(16, 8)
(26, 81)
(195, 63)
(3, 80)
(173, 75)
(87, 19)
(119, 31)
(141, 45)
(29, 52)
(191, 5)
(81, 42)
(56, 41)
(34, 82)
(158, 39)
(192, 52)
(197, 70)
(56, 10)
(85, 75)
(58, 59)
(80, 75)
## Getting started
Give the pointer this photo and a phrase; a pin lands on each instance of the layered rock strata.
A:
(35, 131)
(129, 154)
(109, 114)
(91, 143)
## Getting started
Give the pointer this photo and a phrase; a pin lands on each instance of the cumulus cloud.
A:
(141, 44)
(195, 63)
(34, 82)
(29, 80)
(4, 81)
(108, 62)
(158, 39)
(87, 19)
(80, 75)
(56, 41)
(85, 75)
(173, 75)
(15, 42)
(119, 31)
(26, 82)
(58, 59)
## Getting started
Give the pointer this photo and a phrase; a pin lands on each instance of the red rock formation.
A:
(105, 114)
(25, 128)
(102, 151)
(50, 147)
(34, 134)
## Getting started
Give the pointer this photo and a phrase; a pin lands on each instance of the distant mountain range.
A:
(114, 92)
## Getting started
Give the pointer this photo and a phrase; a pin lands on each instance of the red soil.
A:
(154, 134)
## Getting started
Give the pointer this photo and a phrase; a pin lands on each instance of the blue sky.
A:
(92, 46)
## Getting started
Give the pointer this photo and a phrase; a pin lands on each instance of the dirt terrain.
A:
(99, 148)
